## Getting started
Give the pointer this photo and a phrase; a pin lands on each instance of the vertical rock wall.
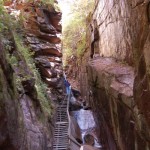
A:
(43, 32)
(25, 120)
(114, 75)
(23, 124)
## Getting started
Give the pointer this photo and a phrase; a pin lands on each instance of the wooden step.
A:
(61, 140)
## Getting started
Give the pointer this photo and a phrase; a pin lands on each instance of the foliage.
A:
(81, 46)
(74, 27)
(48, 1)
(1, 15)
(12, 60)
(50, 4)
(12, 32)
(39, 85)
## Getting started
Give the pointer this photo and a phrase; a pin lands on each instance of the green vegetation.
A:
(48, 2)
(39, 85)
(21, 58)
(74, 27)
(2, 26)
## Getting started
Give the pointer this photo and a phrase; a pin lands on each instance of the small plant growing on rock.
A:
(21, 60)
(39, 85)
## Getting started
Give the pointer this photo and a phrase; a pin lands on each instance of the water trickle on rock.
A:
(87, 124)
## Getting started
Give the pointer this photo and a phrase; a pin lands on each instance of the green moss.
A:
(12, 60)
(39, 85)
(21, 58)
(27, 70)
(1, 15)
(41, 89)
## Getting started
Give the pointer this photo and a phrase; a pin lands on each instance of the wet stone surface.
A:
(87, 125)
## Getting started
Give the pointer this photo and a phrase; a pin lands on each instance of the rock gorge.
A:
(113, 73)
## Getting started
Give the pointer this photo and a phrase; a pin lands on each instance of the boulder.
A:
(43, 61)
(41, 45)
(32, 40)
(89, 139)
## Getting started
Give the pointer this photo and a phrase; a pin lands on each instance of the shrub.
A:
(74, 28)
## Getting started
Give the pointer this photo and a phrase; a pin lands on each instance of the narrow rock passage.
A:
(108, 53)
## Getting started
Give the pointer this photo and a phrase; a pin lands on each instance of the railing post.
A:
(71, 139)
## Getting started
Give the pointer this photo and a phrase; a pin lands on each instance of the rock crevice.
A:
(115, 80)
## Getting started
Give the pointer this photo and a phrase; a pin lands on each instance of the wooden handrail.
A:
(75, 142)
(69, 120)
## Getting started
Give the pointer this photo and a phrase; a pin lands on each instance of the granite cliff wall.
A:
(114, 75)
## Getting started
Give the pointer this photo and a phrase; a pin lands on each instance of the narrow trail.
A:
(61, 139)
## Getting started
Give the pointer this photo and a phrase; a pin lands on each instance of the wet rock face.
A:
(75, 129)
(119, 94)
(111, 99)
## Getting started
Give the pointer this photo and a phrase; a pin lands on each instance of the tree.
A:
(74, 26)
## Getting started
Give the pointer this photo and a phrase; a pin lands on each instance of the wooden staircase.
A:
(61, 138)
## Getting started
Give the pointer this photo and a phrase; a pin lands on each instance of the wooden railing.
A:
(73, 144)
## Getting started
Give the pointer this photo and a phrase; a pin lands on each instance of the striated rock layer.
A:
(23, 123)
(114, 75)
(26, 119)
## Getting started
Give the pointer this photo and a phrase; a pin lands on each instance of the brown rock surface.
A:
(48, 52)
(20, 112)
(49, 38)
(118, 93)
(47, 72)
(75, 129)
(111, 84)
(25, 120)
(54, 19)
(44, 41)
